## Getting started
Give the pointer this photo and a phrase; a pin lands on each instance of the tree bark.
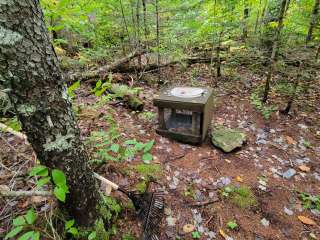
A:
(318, 53)
(158, 38)
(245, 20)
(275, 47)
(313, 22)
(29, 67)
(146, 31)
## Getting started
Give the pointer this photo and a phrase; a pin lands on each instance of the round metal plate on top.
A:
(187, 92)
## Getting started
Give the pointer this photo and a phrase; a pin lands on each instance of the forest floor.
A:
(201, 183)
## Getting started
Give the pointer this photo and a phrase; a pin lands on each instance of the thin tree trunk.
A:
(245, 19)
(29, 67)
(263, 15)
(318, 53)
(313, 22)
(292, 97)
(138, 31)
(124, 20)
(158, 38)
(294, 93)
(146, 32)
(133, 22)
(272, 64)
(257, 19)
(218, 55)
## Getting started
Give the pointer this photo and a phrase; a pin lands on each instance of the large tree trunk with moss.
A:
(314, 20)
(29, 68)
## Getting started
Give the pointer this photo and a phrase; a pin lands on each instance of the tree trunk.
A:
(138, 31)
(158, 38)
(245, 20)
(124, 21)
(146, 31)
(313, 22)
(257, 18)
(275, 46)
(218, 67)
(318, 53)
(30, 68)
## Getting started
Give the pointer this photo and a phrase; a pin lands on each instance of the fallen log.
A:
(120, 66)
(104, 70)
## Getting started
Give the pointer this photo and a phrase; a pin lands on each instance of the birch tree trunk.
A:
(29, 67)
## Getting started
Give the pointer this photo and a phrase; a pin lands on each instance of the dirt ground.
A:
(194, 177)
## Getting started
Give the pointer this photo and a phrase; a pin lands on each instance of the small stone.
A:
(265, 222)
(289, 173)
(171, 221)
(288, 211)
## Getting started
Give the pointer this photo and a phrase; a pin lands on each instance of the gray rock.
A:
(288, 211)
(227, 139)
(265, 222)
(289, 173)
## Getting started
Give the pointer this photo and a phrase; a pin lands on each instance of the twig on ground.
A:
(204, 203)
(6, 193)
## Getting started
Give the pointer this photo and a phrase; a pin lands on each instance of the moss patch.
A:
(243, 197)
(147, 170)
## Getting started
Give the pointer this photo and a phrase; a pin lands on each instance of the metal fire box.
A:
(184, 113)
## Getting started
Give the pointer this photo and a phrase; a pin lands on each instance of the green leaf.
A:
(232, 225)
(115, 148)
(147, 157)
(69, 224)
(36, 236)
(148, 146)
(42, 181)
(60, 194)
(73, 231)
(59, 178)
(73, 87)
(31, 216)
(19, 221)
(13, 232)
(26, 236)
(196, 234)
(92, 235)
(130, 142)
(139, 146)
(39, 171)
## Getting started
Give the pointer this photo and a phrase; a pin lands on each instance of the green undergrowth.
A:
(147, 172)
(265, 109)
(12, 123)
(242, 196)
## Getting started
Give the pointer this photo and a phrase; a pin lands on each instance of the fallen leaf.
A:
(222, 233)
(306, 220)
(188, 228)
(290, 140)
(304, 168)
(239, 179)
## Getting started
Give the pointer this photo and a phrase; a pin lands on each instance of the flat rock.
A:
(227, 139)
(289, 173)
